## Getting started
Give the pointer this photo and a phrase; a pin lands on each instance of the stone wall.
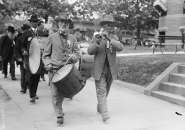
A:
(174, 19)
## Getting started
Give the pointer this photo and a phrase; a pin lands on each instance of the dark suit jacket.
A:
(100, 52)
(17, 48)
(6, 47)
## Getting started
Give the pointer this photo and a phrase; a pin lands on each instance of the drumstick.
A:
(67, 61)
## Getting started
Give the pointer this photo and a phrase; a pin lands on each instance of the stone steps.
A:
(173, 90)
(177, 78)
(173, 98)
(181, 69)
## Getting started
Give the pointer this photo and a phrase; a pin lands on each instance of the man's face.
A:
(63, 27)
(11, 35)
(34, 24)
(78, 34)
(107, 28)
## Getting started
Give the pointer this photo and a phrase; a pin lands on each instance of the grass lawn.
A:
(142, 70)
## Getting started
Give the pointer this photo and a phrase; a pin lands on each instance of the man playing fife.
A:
(104, 48)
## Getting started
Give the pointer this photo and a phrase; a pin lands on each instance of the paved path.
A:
(129, 110)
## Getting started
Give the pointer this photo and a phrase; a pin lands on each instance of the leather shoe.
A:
(36, 97)
(5, 76)
(23, 91)
(60, 121)
(13, 78)
(32, 100)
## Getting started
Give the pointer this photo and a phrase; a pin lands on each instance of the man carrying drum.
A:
(56, 54)
(104, 50)
(27, 36)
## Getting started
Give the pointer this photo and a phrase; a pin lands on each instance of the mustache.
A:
(64, 34)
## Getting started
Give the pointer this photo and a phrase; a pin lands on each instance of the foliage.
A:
(132, 14)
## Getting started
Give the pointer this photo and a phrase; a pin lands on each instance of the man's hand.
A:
(48, 67)
(25, 53)
(73, 58)
(19, 60)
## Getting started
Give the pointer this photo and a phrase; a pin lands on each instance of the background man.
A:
(6, 52)
(19, 57)
(104, 50)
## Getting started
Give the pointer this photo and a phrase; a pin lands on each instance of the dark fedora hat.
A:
(34, 18)
(25, 27)
(11, 29)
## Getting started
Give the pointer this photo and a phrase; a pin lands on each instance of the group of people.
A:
(60, 49)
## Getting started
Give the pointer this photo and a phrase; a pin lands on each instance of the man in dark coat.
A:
(19, 57)
(33, 79)
(6, 52)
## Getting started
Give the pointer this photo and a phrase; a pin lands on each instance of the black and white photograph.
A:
(92, 64)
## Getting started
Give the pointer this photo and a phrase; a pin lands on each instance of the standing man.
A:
(19, 57)
(6, 52)
(104, 50)
(57, 52)
(33, 79)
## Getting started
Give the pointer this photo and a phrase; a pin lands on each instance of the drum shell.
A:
(71, 84)
(86, 65)
(35, 50)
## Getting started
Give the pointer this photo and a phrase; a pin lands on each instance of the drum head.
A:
(34, 56)
(62, 73)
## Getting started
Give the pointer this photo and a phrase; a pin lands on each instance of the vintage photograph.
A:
(92, 64)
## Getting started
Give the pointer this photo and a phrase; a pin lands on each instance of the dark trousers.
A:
(24, 80)
(33, 84)
(11, 61)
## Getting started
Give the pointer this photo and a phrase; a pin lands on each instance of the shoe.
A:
(32, 100)
(60, 121)
(106, 121)
(36, 97)
(105, 118)
(5, 76)
(23, 91)
(13, 78)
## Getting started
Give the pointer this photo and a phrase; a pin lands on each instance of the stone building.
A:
(172, 18)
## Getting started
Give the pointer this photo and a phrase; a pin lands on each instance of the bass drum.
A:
(86, 63)
(35, 63)
(69, 79)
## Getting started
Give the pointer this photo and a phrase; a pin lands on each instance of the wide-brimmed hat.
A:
(64, 18)
(34, 18)
(11, 29)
